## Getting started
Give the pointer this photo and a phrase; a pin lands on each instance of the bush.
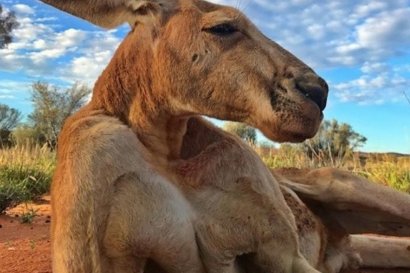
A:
(25, 174)
(21, 184)
(334, 142)
(27, 136)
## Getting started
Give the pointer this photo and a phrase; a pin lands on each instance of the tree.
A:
(52, 106)
(9, 118)
(406, 96)
(8, 23)
(242, 130)
(333, 141)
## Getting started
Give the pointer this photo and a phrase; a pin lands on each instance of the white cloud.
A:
(387, 30)
(70, 37)
(4, 97)
(39, 44)
(46, 19)
(48, 51)
(369, 67)
(363, 35)
(24, 9)
(88, 67)
(358, 34)
(46, 54)
(12, 89)
(378, 84)
(335, 33)
(57, 45)
(93, 57)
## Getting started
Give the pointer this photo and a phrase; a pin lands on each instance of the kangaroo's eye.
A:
(222, 29)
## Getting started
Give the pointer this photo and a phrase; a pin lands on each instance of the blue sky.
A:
(361, 47)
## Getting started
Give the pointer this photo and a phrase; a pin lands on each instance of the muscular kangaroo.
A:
(138, 184)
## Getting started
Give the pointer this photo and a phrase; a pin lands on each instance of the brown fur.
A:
(383, 252)
(350, 203)
(141, 179)
(341, 204)
(144, 185)
(325, 247)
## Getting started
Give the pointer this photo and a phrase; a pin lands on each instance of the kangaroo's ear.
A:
(354, 203)
(111, 13)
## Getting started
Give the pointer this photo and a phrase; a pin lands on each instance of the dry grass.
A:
(25, 173)
(390, 170)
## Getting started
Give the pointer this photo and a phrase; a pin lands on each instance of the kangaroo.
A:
(141, 184)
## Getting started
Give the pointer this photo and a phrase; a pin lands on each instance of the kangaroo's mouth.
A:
(297, 106)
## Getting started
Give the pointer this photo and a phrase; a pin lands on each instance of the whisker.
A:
(246, 5)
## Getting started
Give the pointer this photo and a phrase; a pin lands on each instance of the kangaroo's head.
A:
(195, 57)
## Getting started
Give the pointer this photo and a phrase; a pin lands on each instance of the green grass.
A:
(28, 216)
(25, 174)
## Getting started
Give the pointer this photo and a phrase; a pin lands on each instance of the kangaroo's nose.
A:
(314, 88)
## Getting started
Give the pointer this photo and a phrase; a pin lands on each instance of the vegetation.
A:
(27, 164)
(390, 170)
(27, 135)
(334, 143)
(245, 132)
(27, 161)
(386, 169)
(25, 173)
(52, 106)
(8, 23)
(28, 216)
(9, 118)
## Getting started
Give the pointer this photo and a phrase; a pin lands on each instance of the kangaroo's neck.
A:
(127, 90)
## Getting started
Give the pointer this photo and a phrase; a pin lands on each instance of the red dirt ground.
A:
(25, 248)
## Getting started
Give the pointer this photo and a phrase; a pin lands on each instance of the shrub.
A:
(25, 174)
